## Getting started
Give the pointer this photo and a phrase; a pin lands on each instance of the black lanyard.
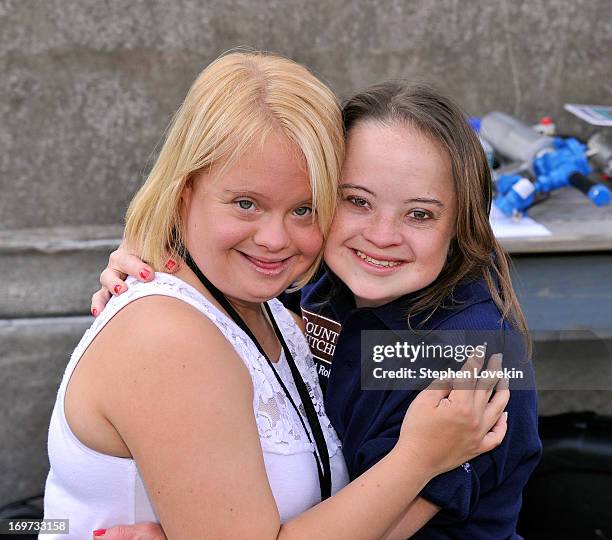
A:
(322, 455)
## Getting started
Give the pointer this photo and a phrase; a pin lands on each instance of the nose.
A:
(272, 234)
(383, 232)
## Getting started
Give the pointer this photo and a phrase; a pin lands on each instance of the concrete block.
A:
(52, 271)
(33, 355)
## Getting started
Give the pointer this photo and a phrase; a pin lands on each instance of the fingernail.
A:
(144, 274)
(99, 532)
(497, 358)
(170, 264)
(94, 312)
(506, 415)
(117, 289)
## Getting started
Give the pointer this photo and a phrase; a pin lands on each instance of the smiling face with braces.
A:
(396, 215)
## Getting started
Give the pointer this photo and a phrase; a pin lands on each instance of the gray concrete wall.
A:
(87, 88)
(33, 356)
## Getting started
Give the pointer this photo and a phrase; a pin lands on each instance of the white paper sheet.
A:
(505, 227)
(597, 115)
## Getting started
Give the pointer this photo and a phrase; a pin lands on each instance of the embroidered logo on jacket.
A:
(322, 335)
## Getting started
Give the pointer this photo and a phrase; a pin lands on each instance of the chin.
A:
(266, 292)
(261, 295)
(369, 298)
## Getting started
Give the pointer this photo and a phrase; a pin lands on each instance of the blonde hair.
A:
(236, 101)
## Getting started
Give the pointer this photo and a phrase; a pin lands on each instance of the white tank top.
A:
(95, 490)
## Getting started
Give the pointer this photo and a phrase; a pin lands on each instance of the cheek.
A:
(433, 252)
(342, 228)
(329, 249)
(309, 241)
(219, 233)
(335, 239)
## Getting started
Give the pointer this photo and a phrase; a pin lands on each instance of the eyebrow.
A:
(251, 193)
(427, 201)
(416, 199)
(355, 186)
(243, 192)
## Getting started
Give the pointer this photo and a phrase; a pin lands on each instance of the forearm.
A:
(418, 513)
(367, 507)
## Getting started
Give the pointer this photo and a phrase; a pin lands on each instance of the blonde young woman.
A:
(193, 400)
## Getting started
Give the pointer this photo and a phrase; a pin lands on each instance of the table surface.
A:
(576, 224)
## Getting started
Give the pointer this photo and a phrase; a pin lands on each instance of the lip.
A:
(375, 269)
(267, 267)
(379, 257)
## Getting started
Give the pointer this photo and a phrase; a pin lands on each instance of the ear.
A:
(185, 199)
(187, 192)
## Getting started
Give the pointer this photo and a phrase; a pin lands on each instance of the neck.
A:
(250, 312)
(363, 303)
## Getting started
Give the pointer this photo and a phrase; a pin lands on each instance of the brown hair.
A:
(474, 252)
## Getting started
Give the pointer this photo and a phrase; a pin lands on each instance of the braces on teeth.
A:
(375, 261)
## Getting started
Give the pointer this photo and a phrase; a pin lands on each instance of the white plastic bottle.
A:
(488, 149)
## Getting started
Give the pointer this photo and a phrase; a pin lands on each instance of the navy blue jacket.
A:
(479, 500)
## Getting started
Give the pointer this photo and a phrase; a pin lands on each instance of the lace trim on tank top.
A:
(280, 430)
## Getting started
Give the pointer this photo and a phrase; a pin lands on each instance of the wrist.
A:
(408, 457)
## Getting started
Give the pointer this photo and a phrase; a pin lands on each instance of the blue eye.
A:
(302, 211)
(245, 204)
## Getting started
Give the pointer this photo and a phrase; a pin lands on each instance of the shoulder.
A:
(471, 307)
(175, 386)
(160, 339)
(160, 359)
(484, 315)
(159, 318)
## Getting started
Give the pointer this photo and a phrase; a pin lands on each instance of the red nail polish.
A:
(170, 264)
(144, 274)
(94, 312)
(99, 532)
(117, 289)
